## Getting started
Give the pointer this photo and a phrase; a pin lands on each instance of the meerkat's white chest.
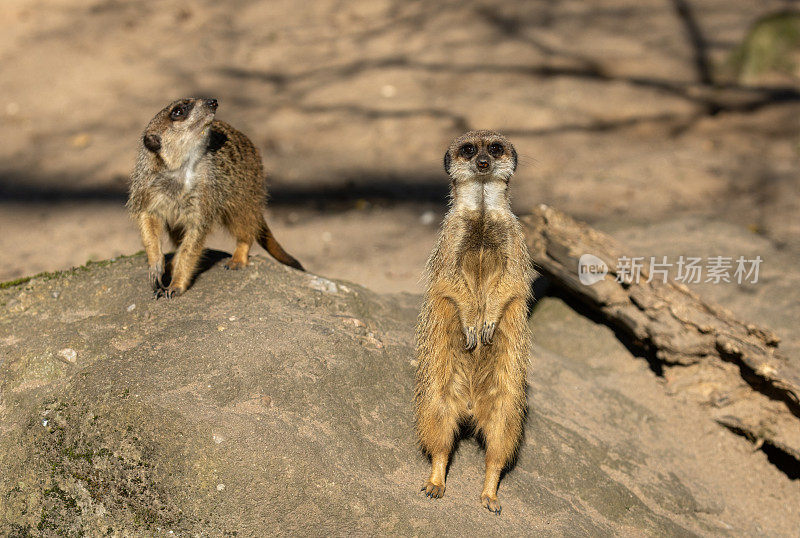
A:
(188, 178)
(489, 196)
(494, 196)
(189, 172)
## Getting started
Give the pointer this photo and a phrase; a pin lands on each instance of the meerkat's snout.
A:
(211, 111)
(207, 110)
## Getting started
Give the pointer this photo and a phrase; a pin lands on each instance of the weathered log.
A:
(666, 318)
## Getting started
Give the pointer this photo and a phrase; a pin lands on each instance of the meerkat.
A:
(472, 336)
(192, 173)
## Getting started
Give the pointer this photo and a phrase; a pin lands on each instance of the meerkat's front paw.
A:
(487, 332)
(154, 275)
(491, 503)
(433, 491)
(471, 338)
(169, 292)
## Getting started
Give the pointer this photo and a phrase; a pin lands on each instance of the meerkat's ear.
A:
(514, 158)
(152, 142)
(447, 161)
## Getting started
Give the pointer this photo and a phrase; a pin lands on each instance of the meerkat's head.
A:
(179, 130)
(483, 156)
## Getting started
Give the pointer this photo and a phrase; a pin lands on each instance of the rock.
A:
(69, 355)
(293, 421)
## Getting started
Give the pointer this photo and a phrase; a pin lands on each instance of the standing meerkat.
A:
(192, 173)
(473, 336)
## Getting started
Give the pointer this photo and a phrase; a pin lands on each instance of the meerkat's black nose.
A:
(482, 164)
(212, 104)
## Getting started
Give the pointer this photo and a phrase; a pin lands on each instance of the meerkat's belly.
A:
(482, 267)
(483, 258)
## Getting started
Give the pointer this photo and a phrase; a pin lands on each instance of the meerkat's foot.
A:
(154, 275)
(169, 292)
(233, 264)
(471, 336)
(491, 503)
(433, 491)
(487, 332)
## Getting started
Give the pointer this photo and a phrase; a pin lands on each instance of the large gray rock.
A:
(268, 400)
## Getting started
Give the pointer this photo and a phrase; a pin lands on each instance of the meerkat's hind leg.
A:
(435, 485)
(440, 455)
(437, 425)
(244, 229)
(499, 419)
(240, 255)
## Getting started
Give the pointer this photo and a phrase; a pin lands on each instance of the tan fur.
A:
(473, 337)
(192, 173)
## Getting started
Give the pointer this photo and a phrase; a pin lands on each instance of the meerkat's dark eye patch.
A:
(468, 150)
(181, 111)
(496, 149)
(177, 113)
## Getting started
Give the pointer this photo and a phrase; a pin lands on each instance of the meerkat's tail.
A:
(271, 245)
